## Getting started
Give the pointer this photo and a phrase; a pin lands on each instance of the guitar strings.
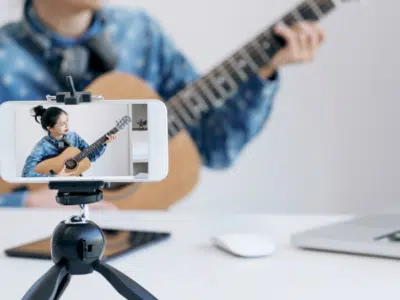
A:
(89, 150)
(186, 102)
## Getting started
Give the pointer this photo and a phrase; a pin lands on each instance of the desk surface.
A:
(187, 266)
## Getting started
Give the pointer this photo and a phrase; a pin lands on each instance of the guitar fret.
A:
(260, 51)
(174, 118)
(214, 80)
(172, 129)
(271, 44)
(290, 19)
(249, 60)
(171, 132)
(193, 113)
(239, 68)
(295, 13)
(315, 8)
(229, 66)
(180, 109)
(211, 85)
(326, 6)
(232, 86)
(219, 92)
(253, 53)
(223, 82)
(172, 124)
(199, 103)
(205, 89)
(307, 12)
(198, 106)
(201, 94)
(274, 40)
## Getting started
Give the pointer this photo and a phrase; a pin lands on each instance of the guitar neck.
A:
(223, 81)
(95, 146)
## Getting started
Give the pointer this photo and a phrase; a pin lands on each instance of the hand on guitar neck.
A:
(111, 138)
(302, 41)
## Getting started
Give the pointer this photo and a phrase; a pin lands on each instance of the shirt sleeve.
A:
(82, 145)
(222, 133)
(36, 156)
(16, 199)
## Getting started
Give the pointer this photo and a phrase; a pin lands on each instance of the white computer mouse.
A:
(245, 244)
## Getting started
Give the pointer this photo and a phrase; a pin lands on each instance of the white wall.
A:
(331, 144)
(90, 122)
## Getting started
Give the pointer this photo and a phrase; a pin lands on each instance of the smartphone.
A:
(118, 242)
(105, 140)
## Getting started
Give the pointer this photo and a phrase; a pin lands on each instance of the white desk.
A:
(188, 267)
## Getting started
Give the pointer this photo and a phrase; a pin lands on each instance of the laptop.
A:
(372, 235)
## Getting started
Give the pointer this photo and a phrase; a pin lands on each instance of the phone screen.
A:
(118, 242)
(106, 140)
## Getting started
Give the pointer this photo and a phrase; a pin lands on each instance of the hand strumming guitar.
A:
(302, 41)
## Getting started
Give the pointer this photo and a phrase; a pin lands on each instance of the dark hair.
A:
(48, 117)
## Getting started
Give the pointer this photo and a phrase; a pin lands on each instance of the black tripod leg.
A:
(122, 283)
(62, 287)
(48, 286)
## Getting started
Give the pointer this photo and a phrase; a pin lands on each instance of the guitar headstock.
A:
(121, 124)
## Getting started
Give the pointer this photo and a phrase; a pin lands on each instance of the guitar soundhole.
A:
(71, 164)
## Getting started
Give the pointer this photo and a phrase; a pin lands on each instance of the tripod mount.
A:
(77, 247)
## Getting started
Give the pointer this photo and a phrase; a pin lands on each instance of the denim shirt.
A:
(148, 52)
(46, 148)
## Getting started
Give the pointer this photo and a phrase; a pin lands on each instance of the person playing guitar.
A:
(85, 39)
(55, 121)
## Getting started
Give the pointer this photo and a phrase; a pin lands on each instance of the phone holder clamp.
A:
(72, 97)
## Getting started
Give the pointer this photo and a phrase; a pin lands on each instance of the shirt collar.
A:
(49, 38)
(54, 139)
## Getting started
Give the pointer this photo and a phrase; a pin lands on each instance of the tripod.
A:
(77, 247)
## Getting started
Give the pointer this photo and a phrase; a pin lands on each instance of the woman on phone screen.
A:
(54, 120)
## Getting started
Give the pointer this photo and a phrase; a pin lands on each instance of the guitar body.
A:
(56, 163)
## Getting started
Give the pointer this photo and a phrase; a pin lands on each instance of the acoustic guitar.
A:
(75, 160)
(185, 108)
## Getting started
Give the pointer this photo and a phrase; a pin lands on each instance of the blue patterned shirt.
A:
(146, 51)
(46, 148)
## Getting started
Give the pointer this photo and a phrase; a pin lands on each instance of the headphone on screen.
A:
(96, 53)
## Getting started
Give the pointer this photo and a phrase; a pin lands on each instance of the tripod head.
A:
(77, 241)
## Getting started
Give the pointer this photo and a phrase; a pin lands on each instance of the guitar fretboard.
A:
(95, 146)
(222, 82)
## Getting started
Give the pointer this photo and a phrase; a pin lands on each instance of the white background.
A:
(332, 142)
(90, 122)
